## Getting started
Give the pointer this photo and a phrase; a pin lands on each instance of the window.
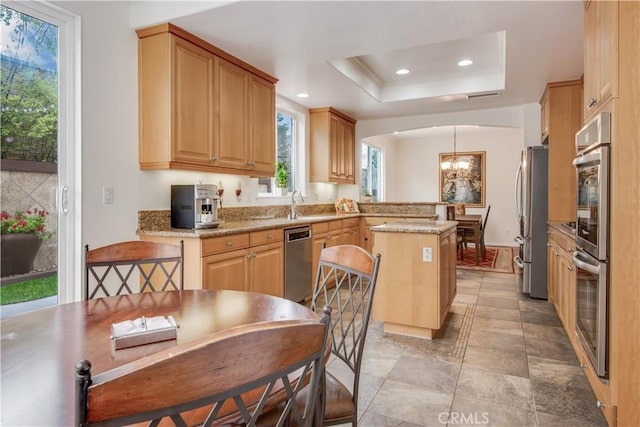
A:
(371, 173)
(285, 145)
(287, 129)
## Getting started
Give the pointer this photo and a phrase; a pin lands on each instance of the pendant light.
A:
(454, 164)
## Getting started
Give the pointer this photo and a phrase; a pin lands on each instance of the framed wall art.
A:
(463, 185)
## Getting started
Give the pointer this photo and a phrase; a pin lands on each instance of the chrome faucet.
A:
(293, 214)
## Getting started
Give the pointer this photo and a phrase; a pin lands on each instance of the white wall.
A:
(413, 175)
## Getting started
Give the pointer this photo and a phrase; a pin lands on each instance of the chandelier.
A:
(454, 163)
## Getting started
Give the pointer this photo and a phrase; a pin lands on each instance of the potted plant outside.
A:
(21, 235)
(282, 178)
(368, 197)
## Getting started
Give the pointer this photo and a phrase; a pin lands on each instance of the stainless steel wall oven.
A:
(592, 309)
(592, 240)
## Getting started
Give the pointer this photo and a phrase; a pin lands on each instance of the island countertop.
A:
(416, 226)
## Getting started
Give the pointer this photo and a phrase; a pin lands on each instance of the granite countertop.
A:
(419, 227)
(244, 226)
(563, 228)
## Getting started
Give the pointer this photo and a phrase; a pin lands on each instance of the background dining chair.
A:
(468, 237)
(131, 267)
(346, 281)
(230, 376)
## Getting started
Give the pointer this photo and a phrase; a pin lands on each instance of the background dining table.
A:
(39, 350)
(472, 223)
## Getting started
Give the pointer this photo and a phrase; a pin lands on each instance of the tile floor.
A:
(504, 360)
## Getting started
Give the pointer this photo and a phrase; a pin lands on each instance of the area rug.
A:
(499, 259)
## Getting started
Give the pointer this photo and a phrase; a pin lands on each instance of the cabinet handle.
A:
(569, 268)
(556, 254)
(250, 163)
(229, 244)
(582, 365)
(548, 245)
(269, 237)
(248, 256)
(600, 404)
(214, 158)
(591, 103)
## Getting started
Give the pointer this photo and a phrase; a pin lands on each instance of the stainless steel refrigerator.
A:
(531, 208)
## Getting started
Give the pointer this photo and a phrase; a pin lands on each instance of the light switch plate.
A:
(426, 254)
(107, 195)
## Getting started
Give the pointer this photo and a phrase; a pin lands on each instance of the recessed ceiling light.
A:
(465, 63)
(302, 95)
(402, 71)
(395, 132)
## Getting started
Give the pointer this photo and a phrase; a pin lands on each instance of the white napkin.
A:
(143, 324)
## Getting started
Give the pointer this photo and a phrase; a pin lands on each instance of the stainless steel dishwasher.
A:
(298, 247)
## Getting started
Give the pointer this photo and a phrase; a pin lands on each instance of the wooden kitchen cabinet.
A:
(228, 270)
(367, 236)
(544, 115)
(350, 232)
(561, 280)
(324, 234)
(258, 268)
(600, 54)
(332, 146)
(562, 118)
(245, 261)
(413, 296)
(201, 108)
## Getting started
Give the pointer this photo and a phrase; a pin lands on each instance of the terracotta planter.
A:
(18, 252)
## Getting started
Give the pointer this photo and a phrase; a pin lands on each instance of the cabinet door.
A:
(544, 115)
(335, 149)
(263, 122)
(193, 98)
(551, 284)
(349, 146)
(600, 54)
(608, 50)
(350, 236)
(232, 115)
(266, 269)
(226, 271)
(590, 58)
(319, 241)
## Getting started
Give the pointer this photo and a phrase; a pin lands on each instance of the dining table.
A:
(471, 223)
(39, 350)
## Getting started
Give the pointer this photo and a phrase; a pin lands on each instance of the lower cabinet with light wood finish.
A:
(416, 281)
(251, 262)
(256, 268)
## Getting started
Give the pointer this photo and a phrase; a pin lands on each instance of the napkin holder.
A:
(143, 331)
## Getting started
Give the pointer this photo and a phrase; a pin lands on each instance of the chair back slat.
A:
(345, 281)
(112, 270)
(232, 374)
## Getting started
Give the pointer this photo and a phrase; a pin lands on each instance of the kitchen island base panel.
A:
(412, 331)
(417, 279)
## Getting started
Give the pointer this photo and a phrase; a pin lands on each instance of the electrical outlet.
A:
(107, 195)
(426, 254)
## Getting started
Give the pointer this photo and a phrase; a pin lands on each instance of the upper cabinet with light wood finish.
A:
(562, 117)
(332, 146)
(201, 108)
(600, 54)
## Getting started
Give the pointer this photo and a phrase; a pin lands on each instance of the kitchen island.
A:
(417, 277)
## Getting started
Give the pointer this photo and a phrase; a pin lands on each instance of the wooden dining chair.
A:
(346, 281)
(466, 236)
(133, 266)
(230, 377)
